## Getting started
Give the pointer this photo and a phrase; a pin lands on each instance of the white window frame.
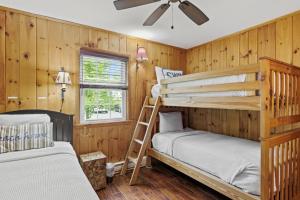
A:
(108, 87)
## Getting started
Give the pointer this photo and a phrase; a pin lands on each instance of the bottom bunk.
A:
(202, 176)
(234, 160)
(227, 164)
(232, 166)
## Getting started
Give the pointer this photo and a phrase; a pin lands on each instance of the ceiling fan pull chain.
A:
(172, 27)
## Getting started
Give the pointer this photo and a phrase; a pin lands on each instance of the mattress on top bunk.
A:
(49, 173)
(155, 91)
(234, 160)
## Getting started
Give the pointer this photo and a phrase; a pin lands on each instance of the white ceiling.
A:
(226, 16)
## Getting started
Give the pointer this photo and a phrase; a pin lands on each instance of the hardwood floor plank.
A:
(158, 183)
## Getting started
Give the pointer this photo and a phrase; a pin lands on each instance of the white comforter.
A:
(44, 174)
(234, 160)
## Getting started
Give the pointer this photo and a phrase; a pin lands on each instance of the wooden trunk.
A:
(94, 167)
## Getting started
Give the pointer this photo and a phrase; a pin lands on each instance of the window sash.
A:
(120, 72)
(83, 113)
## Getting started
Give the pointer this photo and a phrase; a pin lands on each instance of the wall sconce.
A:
(141, 55)
(64, 79)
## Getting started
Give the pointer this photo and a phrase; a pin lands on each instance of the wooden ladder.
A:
(142, 143)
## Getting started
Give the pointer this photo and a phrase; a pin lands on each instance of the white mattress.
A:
(234, 160)
(48, 174)
(155, 91)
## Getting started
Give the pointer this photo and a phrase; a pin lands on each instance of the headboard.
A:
(62, 123)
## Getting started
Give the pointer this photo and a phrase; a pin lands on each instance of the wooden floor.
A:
(158, 183)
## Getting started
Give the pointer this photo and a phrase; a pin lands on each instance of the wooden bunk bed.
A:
(273, 89)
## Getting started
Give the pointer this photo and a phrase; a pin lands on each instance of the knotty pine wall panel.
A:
(279, 38)
(284, 39)
(296, 40)
(253, 49)
(12, 65)
(27, 77)
(202, 59)
(112, 140)
(208, 58)
(2, 61)
(34, 48)
(42, 60)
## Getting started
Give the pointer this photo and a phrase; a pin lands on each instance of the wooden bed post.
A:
(264, 77)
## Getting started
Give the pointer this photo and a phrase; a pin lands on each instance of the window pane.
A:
(103, 104)
(102, 71)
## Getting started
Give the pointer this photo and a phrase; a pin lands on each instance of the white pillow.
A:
(155, 91)
(169, 122)
(159, 74)
(162, 73)
(6, 119)
(171, 73)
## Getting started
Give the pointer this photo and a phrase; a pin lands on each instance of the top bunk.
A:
(250, 87)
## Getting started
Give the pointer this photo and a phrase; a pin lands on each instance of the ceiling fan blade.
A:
(194, 13)
(156, 14)
(123, 4)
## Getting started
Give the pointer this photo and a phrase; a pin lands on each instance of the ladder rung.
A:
(134, 160)
(138, 141)
(148, 106)
(144, 123)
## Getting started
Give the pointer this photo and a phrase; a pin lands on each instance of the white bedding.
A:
(48, 174)
(155, 91)
(234, 160)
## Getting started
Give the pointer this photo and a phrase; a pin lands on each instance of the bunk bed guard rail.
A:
(195, 96)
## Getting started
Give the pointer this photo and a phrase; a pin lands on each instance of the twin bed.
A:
(45, 173)
(238, 168)
(234, 160)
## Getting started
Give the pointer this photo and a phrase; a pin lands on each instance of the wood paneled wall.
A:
(32, 50)
(279, 39)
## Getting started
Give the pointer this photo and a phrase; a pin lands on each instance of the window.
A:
(103, 86)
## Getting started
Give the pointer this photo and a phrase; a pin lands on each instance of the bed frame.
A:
(62, 123)
(275, 88)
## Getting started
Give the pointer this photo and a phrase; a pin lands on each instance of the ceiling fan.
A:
(189, 9)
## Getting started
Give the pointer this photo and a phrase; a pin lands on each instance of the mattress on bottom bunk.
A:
(234, 160)
(49, 173)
